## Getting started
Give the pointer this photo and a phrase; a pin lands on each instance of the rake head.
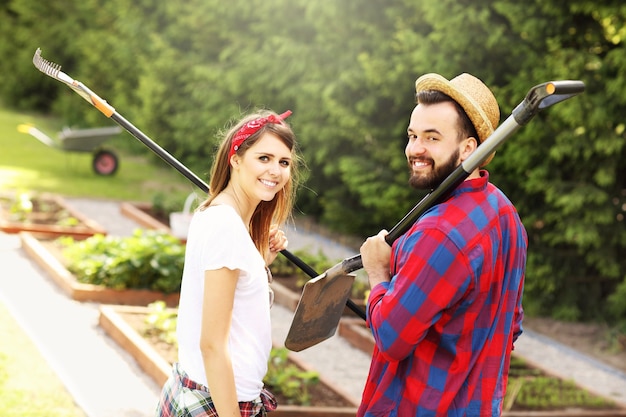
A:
(51, 69)
(54, 70)
(45, 66)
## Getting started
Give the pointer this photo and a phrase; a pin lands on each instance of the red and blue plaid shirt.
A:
(445, 325)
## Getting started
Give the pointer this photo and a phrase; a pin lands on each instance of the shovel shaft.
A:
(537, 98)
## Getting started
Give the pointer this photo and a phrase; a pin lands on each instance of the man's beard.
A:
(435, 177)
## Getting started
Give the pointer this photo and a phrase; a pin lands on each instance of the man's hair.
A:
(466, 127)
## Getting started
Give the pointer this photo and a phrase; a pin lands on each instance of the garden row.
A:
(138, 311)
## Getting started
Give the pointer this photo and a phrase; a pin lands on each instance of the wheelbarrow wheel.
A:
(104, 162)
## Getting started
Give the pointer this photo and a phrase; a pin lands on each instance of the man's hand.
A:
(375, 255)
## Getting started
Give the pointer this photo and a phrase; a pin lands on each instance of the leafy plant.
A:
(320, 263)
(22, 206)
(283, 377)
(148, 259)
(161, 322)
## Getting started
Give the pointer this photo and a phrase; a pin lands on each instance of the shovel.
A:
(322, 300)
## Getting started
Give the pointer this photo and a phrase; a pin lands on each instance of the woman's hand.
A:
(278, 242)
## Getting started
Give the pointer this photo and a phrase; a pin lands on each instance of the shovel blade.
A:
(319, 310)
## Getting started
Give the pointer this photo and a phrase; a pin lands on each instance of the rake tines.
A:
(52, 70)
(45, 66)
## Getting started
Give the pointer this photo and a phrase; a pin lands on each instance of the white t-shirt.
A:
(218, 238)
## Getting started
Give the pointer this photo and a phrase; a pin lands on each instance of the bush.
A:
(146, 260)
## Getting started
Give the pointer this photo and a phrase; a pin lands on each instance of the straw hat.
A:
(473, 96)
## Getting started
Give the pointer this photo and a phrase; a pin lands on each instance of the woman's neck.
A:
(236, 200)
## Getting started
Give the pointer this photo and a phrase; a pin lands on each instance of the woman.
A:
(224, 329)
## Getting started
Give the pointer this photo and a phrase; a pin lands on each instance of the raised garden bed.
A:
(125, 324)
(48, 257)
(45, 214)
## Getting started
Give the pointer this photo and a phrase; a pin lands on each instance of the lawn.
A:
(29, 165)
(28, 386)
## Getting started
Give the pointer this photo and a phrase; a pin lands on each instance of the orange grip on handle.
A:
(102, 105)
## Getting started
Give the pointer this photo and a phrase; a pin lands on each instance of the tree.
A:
(183, 71)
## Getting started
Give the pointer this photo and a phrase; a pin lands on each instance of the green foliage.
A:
(165, 203)
(29, 387)
(20, 206)
(147, 259)
(161, 322)
(3, 372)
(285, 378)
(28, 207)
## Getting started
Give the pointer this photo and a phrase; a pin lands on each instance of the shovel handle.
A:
(539, 97)
(545, 95)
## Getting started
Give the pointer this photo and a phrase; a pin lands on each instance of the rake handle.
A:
(162, 153)
(54, 70)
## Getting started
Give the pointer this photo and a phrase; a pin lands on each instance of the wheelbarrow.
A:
(104, 162)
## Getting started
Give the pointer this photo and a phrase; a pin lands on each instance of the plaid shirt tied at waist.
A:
(183, 397)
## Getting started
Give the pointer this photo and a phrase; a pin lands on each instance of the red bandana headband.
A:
(252, 127)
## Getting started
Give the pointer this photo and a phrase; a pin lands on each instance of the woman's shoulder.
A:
(219, 215)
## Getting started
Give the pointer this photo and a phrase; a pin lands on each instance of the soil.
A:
(45, 210)
(321, 395)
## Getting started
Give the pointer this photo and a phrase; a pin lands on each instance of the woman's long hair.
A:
(279, 209)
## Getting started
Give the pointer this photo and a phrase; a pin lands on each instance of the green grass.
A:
(28, 386)
(28, 164)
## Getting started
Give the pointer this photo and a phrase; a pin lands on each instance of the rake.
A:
(54, 70)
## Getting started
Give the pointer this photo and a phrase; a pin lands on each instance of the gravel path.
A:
(113, 385)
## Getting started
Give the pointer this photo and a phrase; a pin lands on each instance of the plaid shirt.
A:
(182, 397)
(445, 324)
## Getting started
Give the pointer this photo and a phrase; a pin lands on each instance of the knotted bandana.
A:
(252, 127)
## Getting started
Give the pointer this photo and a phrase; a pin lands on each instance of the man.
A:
(445, 301)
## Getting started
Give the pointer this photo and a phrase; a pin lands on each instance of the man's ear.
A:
(468, 146)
